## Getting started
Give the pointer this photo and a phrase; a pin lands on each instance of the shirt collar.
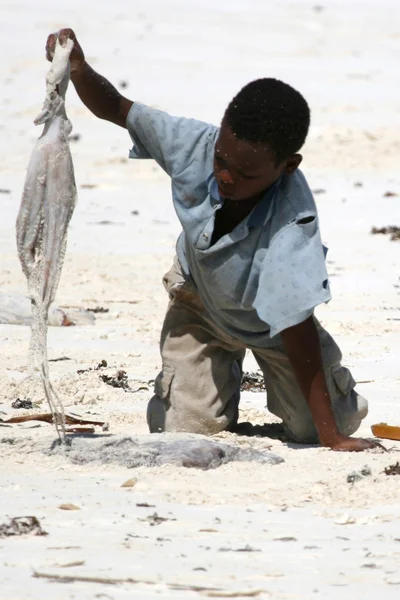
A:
(260, 214)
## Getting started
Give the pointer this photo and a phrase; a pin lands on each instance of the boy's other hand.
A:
(77, 56)
(349, 444)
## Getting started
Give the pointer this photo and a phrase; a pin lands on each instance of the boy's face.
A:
(244, 170)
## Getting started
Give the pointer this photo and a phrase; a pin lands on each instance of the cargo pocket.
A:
(163, 383)
(343, 380)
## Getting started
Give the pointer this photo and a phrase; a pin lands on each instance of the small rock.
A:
(69, 507)
(345, 520)
(129, 483)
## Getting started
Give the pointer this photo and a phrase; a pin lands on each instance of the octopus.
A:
(47, 204)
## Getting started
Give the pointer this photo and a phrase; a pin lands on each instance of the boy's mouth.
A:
(225, 192)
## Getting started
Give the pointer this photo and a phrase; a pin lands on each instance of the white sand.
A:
(190, 57)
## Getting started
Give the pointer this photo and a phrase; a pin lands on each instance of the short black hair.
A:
(270, 112)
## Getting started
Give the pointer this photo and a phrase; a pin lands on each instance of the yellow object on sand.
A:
(384, 431)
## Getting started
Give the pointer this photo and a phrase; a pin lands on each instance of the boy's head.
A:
(263, 129)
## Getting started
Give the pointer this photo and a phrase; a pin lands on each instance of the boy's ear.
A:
(293, 163)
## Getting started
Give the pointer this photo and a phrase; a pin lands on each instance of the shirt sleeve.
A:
(172, 142)
(293, 278)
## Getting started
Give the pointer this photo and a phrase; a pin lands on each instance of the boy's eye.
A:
(243, 176)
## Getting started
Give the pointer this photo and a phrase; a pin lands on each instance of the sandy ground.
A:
(295, 530)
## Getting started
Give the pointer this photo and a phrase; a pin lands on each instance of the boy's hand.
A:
(77, 56)
(349, 444)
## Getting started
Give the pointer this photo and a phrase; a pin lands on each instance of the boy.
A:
(250, 265)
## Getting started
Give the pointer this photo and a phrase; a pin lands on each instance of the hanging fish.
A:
(48, 201)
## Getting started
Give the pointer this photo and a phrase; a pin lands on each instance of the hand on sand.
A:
(77, 56)
(349, 444)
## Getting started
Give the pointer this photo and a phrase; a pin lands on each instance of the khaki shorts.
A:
(198, 389)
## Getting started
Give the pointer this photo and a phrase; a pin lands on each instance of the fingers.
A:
(357, 445)
(62, 35)
(50, 46)
(379, 445)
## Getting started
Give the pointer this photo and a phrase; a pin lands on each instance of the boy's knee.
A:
(161, 418)
(350, 412)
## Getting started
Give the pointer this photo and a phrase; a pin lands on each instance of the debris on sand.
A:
(246, 548)
(101, 365)
(358, 475)
(393, 469)
(385, 431)
(49, 418)
(119, 380)
(21, 526)
(392, 230)
(98, 309)
(18, 403)
(253, 382)
(155, 519)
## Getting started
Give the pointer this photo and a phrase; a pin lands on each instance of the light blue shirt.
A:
(266, 275)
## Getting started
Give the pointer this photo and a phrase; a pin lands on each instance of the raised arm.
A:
(96, 92)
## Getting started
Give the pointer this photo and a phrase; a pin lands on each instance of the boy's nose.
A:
(225, 177)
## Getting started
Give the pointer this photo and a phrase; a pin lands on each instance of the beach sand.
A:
(298, 529)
